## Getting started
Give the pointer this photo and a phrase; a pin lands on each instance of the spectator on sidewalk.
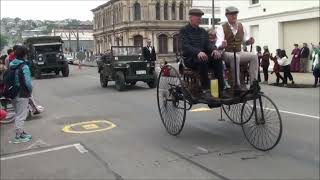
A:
(20, 103)
(295, 62)
(276, 66)
(10, 57)
(316, 66)
(265, 63)
(284, 63)
(304, 54)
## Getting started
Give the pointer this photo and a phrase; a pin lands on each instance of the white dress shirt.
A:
(220, 34)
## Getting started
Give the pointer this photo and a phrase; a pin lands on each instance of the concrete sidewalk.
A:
(299, 78)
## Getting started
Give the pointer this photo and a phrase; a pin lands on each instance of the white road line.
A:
(77, 146)
(298, 114)
(202, 149)
(293, 113)
(80, 148)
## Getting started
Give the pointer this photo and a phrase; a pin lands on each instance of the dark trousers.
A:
(265, 73)
(316, 74)
(279, 77)
(203, 68)
(287, 74)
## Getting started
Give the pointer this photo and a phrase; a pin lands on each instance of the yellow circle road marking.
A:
(89, 126)
(202, 109)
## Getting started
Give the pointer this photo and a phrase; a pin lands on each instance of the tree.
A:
(16, 20)
(3, 41)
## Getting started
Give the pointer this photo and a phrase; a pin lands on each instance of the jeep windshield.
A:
(48, 48)
(126, 51)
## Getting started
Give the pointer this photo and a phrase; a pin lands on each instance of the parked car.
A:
(69, 58)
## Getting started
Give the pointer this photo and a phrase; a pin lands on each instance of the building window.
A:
(205, 21)
(165, 10)
(163, 44)
(217, 20)
(181, 14)
(173, 11)
(137, 11)
(252, 2)
(138, 40)
(176, 46)
(158, 11)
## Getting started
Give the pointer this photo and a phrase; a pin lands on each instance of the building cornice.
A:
(104, 5)
(295, 12)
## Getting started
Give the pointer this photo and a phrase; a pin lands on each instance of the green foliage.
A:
(3, 41)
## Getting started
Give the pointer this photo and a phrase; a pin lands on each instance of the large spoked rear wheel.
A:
(264, 130)
(238, 113)
(171, 101)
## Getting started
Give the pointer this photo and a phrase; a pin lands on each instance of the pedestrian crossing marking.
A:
(90, 126)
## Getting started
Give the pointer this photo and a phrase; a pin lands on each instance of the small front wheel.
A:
(264, 130)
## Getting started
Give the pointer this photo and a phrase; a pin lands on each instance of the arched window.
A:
(138, 40)
(165, 10)
(137, 11)
(173, 11)
(163, 44)
(158, 11)
(181, 14)
(176, 46)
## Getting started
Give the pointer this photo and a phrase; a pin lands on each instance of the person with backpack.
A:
(18, 87)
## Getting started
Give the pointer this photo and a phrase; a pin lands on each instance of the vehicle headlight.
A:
(40, 59)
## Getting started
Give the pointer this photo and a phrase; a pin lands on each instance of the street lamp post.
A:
(213, 20)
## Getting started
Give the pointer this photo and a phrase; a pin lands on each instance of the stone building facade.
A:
(133, 22)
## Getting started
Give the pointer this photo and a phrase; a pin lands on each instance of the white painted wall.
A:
(271, 7)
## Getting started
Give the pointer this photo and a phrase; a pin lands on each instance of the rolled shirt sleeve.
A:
(246, 35)
(220, 36)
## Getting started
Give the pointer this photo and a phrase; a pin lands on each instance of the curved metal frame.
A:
(179, 93)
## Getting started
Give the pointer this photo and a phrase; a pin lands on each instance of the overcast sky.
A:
(56, 10)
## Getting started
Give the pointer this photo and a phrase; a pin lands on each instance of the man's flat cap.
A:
(231, 10)
(196, 12)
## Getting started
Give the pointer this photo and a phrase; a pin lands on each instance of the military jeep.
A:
(126, 66)
(46, 56)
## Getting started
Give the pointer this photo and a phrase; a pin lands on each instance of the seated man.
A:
(235, 34)
(197, 50)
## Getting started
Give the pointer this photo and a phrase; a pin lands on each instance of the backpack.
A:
(11, 90)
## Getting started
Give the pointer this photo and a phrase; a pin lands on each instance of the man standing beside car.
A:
(149, 52)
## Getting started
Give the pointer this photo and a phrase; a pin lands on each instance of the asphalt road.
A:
(135, 144)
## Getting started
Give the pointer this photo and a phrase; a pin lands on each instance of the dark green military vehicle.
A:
(126, 66)
(46, 56)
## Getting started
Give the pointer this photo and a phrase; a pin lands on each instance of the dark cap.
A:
(196, 12)
(232, 10)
